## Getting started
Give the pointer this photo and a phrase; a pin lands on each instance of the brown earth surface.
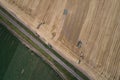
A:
(85, 30)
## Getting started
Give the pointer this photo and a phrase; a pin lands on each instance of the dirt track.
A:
(93, 22)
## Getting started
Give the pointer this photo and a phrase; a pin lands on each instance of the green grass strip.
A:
(53, 51)
(63, 70)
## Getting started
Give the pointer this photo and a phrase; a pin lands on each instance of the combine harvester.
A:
(84, 32)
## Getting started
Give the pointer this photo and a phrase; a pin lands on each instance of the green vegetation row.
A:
(63, 70)
(6, 46)
(18, 62)
(48, 47)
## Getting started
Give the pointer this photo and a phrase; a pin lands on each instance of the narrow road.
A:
(41, 46)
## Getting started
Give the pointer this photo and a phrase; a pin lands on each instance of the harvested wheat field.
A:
(85, 31)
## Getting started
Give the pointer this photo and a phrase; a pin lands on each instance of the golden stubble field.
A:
(85, 30)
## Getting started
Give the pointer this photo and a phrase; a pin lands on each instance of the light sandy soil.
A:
(65, 23)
